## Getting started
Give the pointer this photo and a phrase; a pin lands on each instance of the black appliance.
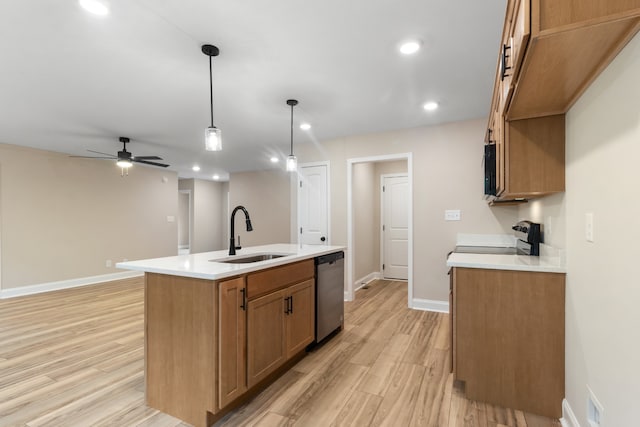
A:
(490, 187)
(528, 238)
(529, 235)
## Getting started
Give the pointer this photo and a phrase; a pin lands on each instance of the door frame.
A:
(349, 293)
(382, 177)
(297, 180)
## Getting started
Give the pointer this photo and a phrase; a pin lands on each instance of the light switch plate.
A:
(588, 227)
(452, 215)
(171, 218)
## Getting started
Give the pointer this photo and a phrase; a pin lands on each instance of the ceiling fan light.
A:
(213, 139)
(292, 163)
(124, 163)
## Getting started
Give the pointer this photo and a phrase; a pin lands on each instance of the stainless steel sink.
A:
(249, 258)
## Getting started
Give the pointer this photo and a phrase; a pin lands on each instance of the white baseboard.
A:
(430, 305)
(568, 417)
(66, 284)
(362, 282)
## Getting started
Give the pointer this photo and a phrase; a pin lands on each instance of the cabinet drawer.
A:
(264, 282)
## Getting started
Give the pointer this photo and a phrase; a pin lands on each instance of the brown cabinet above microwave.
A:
(549, 54)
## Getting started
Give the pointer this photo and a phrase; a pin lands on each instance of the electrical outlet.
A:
(588, 227)
(171, 218)
(452, 215)
(108, 263)
(594, 410)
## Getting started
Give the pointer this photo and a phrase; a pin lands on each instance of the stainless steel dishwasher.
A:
(329, 293)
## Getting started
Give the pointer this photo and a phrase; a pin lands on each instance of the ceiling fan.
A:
(125, 158)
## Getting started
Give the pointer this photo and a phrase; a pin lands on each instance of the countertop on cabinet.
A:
(543, 264)
(207, 265)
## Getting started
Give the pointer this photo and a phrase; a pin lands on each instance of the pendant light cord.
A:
(211, 88)
(291, 130)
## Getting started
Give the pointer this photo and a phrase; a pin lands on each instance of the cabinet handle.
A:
(243, 306)
(291, 299)
(503, 62)
(286, 305)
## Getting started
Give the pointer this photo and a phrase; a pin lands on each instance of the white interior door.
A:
(395, 227)
(313, 203)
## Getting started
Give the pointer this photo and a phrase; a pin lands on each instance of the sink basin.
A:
(249, 258)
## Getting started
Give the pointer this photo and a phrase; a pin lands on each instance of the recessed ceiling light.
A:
(410, 47)
(96, 7)
(430, 106)
(216, 177)
(305, 126)
(196, 168)
(274, 159)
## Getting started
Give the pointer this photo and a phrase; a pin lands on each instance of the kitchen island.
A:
(219, 328)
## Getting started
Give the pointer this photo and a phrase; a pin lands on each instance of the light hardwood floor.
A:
(75, 358)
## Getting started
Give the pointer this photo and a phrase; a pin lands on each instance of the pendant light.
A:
(212, 135)
(292, 162)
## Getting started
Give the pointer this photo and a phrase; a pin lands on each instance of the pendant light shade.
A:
(213, 139)
(213, 135)
(292, 161)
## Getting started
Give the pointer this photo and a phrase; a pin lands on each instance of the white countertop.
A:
(203, 265)
(542, 264)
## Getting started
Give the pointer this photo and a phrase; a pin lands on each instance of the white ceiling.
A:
(71, 81)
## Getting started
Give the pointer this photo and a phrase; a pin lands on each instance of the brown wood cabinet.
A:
(508, 338)
(299, 324)
(281, 325)
(550, 52)
(266, 346)
(232, 341)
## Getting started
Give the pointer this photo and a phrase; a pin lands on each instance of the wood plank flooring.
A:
(75, 358)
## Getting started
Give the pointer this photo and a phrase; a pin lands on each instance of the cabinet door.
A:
(265, 335)
(300, 319)
(232, 342)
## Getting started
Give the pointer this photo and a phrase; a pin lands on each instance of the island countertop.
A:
(208, 265)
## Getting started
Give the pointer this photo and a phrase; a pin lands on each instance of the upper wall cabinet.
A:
(552, 50)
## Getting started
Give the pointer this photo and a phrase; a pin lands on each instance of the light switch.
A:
(452, 215)
(171, 218)
(588, 227)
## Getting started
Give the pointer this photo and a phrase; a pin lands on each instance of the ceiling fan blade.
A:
(94, 157)
(147, 158)
(162, 165)
(99, 152)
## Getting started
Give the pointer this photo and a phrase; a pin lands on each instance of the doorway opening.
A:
(358, 243)
(184, 222)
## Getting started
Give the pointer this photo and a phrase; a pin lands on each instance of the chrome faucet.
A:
(232, 242)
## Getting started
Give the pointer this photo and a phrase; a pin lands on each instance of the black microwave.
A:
(490, 170)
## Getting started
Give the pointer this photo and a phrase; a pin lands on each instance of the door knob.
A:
(322, 239)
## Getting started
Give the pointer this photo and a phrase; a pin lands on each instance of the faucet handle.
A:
(239, 246)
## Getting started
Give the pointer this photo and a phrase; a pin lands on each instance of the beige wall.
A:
(206, 214)
(447, 174)
(602, 173)
(225, 214)
(63, 217)
(364, 227)
(265, 194)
